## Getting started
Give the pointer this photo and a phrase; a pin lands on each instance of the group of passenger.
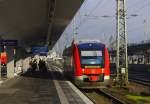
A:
(38, 65)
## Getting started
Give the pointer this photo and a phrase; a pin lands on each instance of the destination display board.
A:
(91, 53)
(9, 42)
(43, 50)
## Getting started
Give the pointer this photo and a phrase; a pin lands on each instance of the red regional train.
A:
(87, 63)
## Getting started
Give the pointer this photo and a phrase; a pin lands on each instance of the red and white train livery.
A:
(87, 63)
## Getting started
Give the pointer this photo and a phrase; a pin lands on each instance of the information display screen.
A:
(91, 53)
(39, 50)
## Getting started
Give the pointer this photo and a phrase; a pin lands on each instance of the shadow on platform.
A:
(49, 74)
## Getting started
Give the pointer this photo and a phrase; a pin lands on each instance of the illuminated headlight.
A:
(106, 77)
(83, 70)
(102, 70)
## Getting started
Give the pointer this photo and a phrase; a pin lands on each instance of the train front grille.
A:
(94, 78)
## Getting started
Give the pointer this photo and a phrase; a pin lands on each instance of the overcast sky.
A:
(91, 24)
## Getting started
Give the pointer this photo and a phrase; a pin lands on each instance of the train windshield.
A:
(92, 58)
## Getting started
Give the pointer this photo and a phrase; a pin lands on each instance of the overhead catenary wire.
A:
(87, 16)
(133, 5)
(90, 13)
(99, 19)
(75, 27)
(137, 16)
(145, 5)
(103, 24)
(93, 9)
(83, 19)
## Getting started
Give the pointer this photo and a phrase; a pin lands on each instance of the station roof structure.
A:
(27, 20)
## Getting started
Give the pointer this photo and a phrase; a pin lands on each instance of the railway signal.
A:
(121, 39)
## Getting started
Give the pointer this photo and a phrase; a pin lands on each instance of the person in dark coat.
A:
(42, 66)
(33, 65)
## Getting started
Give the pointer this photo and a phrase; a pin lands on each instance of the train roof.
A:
(93, 46)
(86, 41)
(90, 44)
(86, 44)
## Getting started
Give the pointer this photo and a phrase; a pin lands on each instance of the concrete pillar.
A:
(22, 61)
(10, 69)
(10, 64)
(19, 66)
(26, 65)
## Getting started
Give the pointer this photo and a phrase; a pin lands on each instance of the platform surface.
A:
(39, 88)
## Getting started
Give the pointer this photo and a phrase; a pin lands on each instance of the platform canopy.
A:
(27, 20)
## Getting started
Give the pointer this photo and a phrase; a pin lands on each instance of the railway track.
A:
(102, 96)
(140, 78)
(140, 81)
(99, 96)
(114, 99)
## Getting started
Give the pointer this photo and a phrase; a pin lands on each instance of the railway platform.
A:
(41, 88)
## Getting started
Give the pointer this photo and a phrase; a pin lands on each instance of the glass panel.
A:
(92, 60)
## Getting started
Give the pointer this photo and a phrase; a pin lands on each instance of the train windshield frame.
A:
(92, 58)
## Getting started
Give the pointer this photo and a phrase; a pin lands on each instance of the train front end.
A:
(91, 62)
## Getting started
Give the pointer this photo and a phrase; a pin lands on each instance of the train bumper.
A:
(87, 84)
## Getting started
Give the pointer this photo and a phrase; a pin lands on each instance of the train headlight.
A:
(102, 70)
(83, 70)
(106, 77)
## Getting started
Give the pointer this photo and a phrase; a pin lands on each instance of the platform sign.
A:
(9, 42)
(42, 50)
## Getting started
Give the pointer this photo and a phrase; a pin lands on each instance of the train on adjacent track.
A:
(87, 64)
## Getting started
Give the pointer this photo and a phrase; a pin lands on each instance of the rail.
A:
(112, 99)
